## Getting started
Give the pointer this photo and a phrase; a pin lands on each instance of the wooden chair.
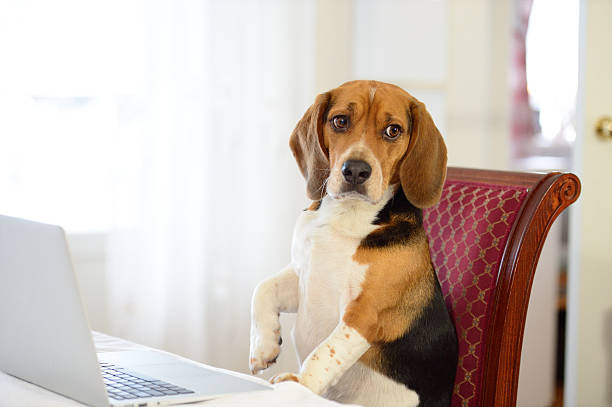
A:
(485, 235)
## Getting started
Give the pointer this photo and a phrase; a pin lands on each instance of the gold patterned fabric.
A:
(467, 231)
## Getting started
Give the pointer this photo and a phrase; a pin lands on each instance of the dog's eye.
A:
(340, 122)
(392, 132)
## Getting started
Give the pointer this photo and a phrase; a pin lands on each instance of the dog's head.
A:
(363, 136)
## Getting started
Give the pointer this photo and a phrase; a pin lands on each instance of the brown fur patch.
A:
(284, 377)
(305, 144)
(423, 170)
(314, 206)
(397, 285)
(373, 358)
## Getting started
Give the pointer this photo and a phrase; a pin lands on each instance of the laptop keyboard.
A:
(122, 384)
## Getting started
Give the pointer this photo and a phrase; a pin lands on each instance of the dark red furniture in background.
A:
(485, 235)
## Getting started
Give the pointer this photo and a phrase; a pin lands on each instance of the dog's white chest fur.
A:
(324, 243)
(322, 253)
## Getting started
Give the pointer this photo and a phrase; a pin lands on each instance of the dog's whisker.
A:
(323, 187)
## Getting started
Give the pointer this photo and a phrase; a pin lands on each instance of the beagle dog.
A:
(372, 327)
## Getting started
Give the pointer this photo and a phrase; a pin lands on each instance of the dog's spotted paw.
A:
(264, 350)
(285, 377)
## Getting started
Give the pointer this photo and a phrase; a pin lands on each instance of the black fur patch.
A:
(401, 223)
(399, 205)
(394, 234)
(425, 357)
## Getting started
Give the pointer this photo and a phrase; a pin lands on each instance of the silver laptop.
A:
(45, 338)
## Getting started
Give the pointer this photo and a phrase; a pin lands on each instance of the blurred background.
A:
(156, 133)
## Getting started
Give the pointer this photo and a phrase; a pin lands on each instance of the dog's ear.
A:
(308, 147)
(423, 170)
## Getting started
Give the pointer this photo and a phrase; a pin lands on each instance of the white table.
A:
(15, 392)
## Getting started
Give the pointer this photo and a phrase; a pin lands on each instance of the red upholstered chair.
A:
(485, 235)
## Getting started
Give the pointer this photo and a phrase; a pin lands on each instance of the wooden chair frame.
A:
(548, 195)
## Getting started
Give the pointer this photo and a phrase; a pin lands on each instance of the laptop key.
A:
(140, 376)
(129, 385)
(132, 391)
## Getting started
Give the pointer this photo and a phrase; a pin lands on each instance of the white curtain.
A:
(206, 191)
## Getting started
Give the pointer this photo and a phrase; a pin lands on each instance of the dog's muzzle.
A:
(356, 172)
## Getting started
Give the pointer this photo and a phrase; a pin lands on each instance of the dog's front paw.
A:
(285, 377)
(264, 350)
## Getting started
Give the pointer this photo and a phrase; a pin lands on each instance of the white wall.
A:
(478, 86)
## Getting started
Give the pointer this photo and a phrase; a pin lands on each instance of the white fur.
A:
(324, 243)
(366, 387)
(334, 356)
(274, 295)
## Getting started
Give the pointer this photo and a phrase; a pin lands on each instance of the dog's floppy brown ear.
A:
(423, 170)
(308, 148)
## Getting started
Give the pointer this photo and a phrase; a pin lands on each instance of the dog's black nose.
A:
(356, 171)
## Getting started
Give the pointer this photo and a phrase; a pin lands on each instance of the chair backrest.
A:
(485, 237)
